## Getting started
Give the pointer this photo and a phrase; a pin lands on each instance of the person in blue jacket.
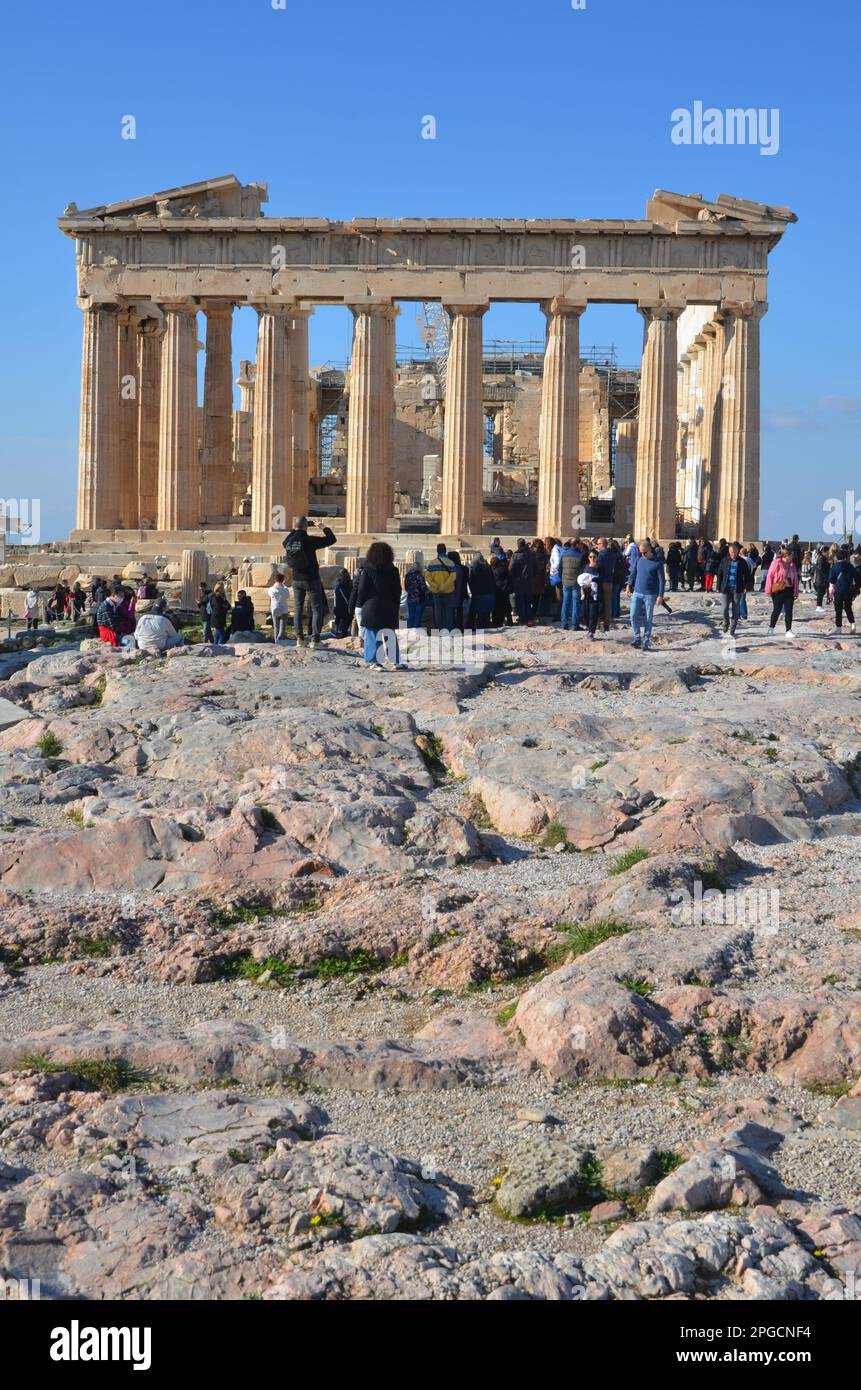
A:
(646, 586)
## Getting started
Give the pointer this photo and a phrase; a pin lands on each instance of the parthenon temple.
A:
(474, 437)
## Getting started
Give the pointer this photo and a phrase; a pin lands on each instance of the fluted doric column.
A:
(655, 501)
(369, 420)
(559, 432)
(710, 430)
(216, 483)
(463, 442)
(149, 411)
(297, 351)
(738, 493)
(98, 455)
(272, 502)
(129, 388)
(683, 435)
(178, 459)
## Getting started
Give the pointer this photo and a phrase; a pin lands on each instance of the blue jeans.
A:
(374, 641)
(642, 614)
(443, 612)
(218, 636)
(742, 605)
(415, 612)
(570, 616)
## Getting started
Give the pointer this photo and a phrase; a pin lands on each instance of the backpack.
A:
(294, 551)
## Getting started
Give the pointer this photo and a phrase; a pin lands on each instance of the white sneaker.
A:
(769, 632)
(851, 627)
(790, 636)
(819, 611)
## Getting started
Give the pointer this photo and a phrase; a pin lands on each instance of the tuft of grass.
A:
(245, 967)
(577, 940)
(378, 730)
(235, 914)
(602, 762)
(431, 750)
(475, 810)
(358, 963)
(95, 947)
(744, 737)
(629, 859)
(771, 754)
(669, 1160)
(49, 745)
(506, 1013)
(98, 689)
(834, 1089)
(636, 986)
(105, 1073)
(554, 834)
(710, 878)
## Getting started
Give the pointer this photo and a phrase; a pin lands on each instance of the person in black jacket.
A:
(522, 572)
(733, 579)
(821, 571)
(300, 554)
(241, 615)
(379, 596)
(502, 584)
(842, 578)
(219, 612)
(482, 588)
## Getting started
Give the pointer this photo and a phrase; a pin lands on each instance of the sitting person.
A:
(154, 631)
(341, 590)
(241, 615)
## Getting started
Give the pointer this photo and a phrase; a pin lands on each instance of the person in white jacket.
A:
(279, 604)
(31, 609)
(154, 632)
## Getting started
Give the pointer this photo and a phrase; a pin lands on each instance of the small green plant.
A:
(710, 878)
(49, 745)
(530, 743)
(771, 754)
(506, 1013)
(835, 1090)
(378, 730)
(629, 859)
(95, 947)
(577, 940)
(602, 762)
(554, 834)
(668, 1161)
(637, 986)
(76, 817)
(105, 1073)
(475, 810)
(98, 689)
(236, 914)
(744, 736)
(431, 750)
(245, 967)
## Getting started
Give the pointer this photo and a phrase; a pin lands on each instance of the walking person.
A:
(767, 560)
(843, 581)
(441, 579)
(31, 609)
(379, 597)
(675, 565)
(732, 581)
(591, 597)
(646, 586)
(300, 554)
(781, 583)
(606, 567)
(821, 572)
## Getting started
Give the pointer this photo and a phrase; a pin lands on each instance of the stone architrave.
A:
(195, 571)
(297, 350)
(216, 483)
(178, 458)
(98, 461)
(657, 432)
(738, 494)
(369, 438)
(272, 501)
(128, 389)
(149, 410)
(559, 434)
(463, 439)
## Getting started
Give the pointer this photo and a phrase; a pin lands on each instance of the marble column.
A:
(149, 410)
(369, 419)
(693, 461)
(710, 430)
(98, 456)
(178, 458)
(738, 491)
(128, 387)
(655, 502)
(683, 377)
(216, 485)
(272, 503)
(297, 332)
(559, 433)
(463, 440)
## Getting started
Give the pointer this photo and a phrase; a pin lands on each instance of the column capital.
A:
(386, 307)
(272, 306)
(87, 304)
(560, 305)
(217, 308)
(179, 306)
(744, 309)
(660, 312)
(469, 309)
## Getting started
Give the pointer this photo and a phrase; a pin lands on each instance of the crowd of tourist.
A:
(574, 584)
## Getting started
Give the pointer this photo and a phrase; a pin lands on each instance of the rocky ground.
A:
(536, 980)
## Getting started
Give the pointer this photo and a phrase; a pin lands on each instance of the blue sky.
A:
(542, 110)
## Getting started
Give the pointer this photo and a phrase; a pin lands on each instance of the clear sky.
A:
(542, 109)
